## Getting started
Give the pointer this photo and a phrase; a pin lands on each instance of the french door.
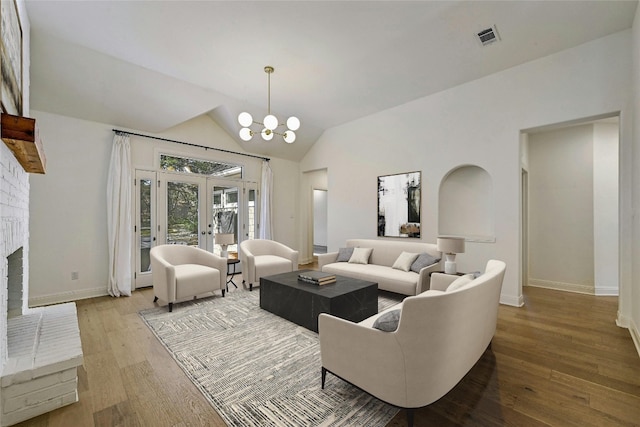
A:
(190, 210)
(145, 225)
(232, 210)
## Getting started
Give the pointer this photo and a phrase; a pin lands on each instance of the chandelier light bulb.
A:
(270, 122)
(267, 135)
(245, 119)
(293, 123)
(245, 134)
(289, 136)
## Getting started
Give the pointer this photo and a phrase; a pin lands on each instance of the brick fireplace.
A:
(14, 229)
(40, 348)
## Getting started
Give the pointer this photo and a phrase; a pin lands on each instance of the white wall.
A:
(605, 208)
(561, 223)
(68, 214)
(477, 123)
(630, 304)
(68, 203)
(286, 204)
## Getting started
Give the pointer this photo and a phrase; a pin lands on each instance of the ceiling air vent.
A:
(488, 36)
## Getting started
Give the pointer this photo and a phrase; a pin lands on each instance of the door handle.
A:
(204, 232)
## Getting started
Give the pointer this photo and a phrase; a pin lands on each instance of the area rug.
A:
(258, 369)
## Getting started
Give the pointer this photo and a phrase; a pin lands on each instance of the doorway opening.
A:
(570, 206)
(319, 222)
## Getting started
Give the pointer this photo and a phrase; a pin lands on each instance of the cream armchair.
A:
(181, 271)
(440, 335)
(260, 257)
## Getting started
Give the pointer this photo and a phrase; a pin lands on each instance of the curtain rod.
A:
(190, 144)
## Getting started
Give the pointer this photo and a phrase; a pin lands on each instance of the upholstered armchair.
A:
(261, 257)
(436, 338)
(181, 271)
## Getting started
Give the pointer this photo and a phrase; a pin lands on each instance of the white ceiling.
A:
(151, 65)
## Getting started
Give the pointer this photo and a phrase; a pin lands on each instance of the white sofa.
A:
(440, 335)
(379, 269)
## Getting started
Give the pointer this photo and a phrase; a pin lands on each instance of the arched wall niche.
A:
(465, 204)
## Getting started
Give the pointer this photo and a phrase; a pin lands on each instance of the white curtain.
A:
(266, 187)
(119, 220)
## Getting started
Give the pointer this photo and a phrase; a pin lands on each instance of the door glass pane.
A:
(251, 206)
(182, 213)
(225, 215)
(145, 224)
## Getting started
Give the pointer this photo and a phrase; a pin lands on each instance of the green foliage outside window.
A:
(200, 167)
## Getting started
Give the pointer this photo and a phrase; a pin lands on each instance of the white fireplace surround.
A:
(40, 348)
(14, 229)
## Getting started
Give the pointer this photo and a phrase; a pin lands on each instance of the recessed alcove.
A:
(466, 204)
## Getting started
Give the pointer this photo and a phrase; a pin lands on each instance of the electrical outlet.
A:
(74, 275)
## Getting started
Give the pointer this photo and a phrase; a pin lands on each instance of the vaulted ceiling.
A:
(151, 65)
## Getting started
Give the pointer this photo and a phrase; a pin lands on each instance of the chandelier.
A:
(270, 122)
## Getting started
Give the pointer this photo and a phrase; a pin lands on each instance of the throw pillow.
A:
(404, 261)
(423, 260)
(388, 322)
(360, 255)
(344, 254)
(460, 282)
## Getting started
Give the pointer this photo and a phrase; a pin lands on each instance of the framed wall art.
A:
(399, 205)
(11, 57)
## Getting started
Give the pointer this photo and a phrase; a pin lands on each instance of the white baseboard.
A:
(562, 286)
(611, 291)
(623, 321)
(511, 300)
(628, 323)
(635, 335)
(67, 296)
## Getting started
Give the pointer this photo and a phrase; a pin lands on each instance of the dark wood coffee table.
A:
(301, 303)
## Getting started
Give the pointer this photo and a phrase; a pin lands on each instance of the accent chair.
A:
(181, 271)
(262, 257)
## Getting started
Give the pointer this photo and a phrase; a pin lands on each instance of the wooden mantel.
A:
(21, 136)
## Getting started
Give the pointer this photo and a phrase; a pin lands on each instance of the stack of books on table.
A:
(317, 277)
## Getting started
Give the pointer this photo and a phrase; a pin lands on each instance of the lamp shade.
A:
(270, 122)
(450, 245)
(245, 119)
(293, 123)
(225, 239)
(245, 134)
(289, 137)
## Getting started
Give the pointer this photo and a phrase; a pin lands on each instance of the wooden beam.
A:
(21, 136)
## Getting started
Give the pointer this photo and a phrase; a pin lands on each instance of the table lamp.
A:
(224, 240)
(450, 246)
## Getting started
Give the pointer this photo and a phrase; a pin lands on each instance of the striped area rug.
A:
(258, 369)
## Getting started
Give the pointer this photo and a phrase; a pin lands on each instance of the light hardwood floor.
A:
(560, 360)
